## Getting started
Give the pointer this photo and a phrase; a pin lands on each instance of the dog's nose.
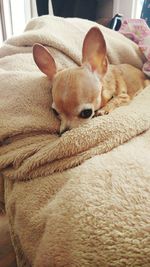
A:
(64, 130)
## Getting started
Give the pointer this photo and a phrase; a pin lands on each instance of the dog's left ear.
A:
(94, 51)
(44, 60)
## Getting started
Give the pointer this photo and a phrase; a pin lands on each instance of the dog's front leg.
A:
(115, 102)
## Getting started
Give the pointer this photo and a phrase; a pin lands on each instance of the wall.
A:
(129, 8)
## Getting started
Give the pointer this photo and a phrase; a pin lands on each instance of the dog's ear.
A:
(94, 51)
(44, 60)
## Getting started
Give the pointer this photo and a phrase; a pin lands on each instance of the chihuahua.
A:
(95, 88)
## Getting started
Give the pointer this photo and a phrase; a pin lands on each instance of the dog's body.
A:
(94, 88)
(120, 84)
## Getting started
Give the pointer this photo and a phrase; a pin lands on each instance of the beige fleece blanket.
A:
(81, 199)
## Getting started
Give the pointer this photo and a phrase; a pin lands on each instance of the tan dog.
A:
(94, 88)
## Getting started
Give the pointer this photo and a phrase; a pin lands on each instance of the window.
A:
(14, 15)
(138, 8)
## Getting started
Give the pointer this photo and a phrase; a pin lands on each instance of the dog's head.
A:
(76, 92)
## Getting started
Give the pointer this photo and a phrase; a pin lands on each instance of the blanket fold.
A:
(66, 36)
(52, 153)
(89, 204)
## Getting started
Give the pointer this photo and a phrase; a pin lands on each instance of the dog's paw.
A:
(101, 112)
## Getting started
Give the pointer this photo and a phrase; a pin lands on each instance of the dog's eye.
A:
(86, 113)
(55, 112)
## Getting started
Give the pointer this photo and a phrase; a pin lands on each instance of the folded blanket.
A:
(62, 214)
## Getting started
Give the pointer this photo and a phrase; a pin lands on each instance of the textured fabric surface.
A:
(81, 199)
